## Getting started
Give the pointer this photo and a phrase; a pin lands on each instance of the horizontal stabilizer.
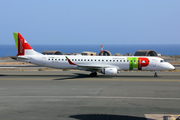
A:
(19, 57)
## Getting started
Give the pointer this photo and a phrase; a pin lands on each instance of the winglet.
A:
(71, 63)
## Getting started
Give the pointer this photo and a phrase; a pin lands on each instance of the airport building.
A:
(88, 53)
(105, 53)
(146, 53)
(52, 53)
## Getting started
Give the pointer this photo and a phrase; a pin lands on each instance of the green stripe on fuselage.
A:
(133, 62)
(16, 39)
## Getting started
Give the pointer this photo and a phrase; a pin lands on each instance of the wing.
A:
(90, 67)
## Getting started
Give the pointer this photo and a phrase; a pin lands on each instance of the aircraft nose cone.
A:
(171, 67)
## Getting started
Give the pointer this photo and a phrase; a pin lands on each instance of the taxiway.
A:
(73, 95)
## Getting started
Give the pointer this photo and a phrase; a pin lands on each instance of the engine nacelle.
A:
(110, 71)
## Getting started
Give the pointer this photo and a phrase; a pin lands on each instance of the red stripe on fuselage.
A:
(71, 63)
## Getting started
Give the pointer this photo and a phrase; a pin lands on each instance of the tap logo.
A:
(21, 45)
(137, 62)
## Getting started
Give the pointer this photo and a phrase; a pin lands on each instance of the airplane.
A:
(108, 65)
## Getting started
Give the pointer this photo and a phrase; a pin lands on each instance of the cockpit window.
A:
(162, 61)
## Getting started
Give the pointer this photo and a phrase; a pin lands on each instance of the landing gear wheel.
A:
(93, 74)
(155, 74)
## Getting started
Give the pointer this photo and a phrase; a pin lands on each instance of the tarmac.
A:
(73, 95)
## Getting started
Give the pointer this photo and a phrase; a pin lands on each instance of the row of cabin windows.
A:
(96, 60)
(58, 59)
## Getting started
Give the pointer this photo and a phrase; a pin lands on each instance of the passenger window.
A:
(84, 59)
(110, 60)
(59, 59)
(65, 59)
(52, 59)
(98, 60)
(91, 59)
(124, 61)
(127, 60)
(88, 59)
(62, 59)
(81, 59)
(143, 61)
(102, 60)
(75, 59)
(94, 60)
(117, 60)
(72, 59)
(48, 59)
(113, 60)
(78, 59)
(161, 61)
(106, 60)
(120, 60)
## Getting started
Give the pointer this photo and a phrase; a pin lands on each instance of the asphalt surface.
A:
(73, 95)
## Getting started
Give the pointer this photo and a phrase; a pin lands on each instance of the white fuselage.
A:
(118, 62)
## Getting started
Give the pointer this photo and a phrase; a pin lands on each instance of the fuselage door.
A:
(44, 60)
(154, 62)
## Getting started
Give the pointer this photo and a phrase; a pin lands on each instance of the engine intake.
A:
(109, 71)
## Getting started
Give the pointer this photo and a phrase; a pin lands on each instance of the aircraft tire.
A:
(93, 74)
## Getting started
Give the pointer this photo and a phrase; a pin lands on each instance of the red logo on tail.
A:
(22, 45)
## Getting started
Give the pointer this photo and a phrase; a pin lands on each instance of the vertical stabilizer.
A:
(23, 48)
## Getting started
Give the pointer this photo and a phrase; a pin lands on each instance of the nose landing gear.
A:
(155, 74)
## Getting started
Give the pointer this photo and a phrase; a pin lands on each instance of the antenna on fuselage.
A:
(101, 50)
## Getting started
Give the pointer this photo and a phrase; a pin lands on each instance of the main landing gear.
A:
(155, 74)
(93, 74)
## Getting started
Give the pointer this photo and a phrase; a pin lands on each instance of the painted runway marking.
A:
(161, 117)
(7, 67)
(92, 97)
(173, 117)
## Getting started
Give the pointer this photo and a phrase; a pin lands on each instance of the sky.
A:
(90, 22)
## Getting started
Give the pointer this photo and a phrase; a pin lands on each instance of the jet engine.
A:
(109, 71)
